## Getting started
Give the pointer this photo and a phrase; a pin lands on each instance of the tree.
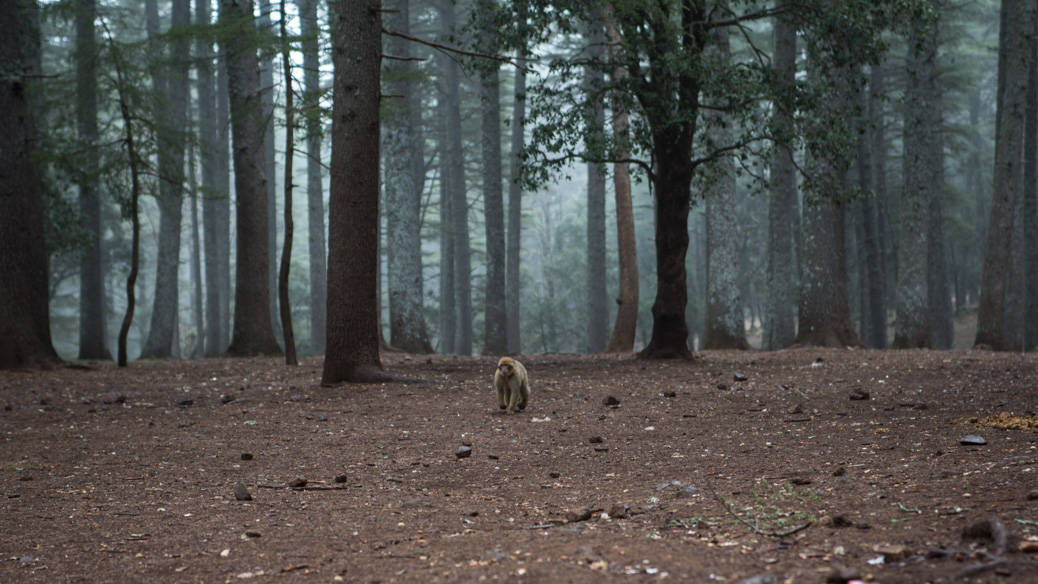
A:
(91, 274)
(353, 339)
(1015, 54)
(286, 250)
(922, 160)
(513, 289)
(725, 327)
(622, 338)
(780, 317)
(314, 183)
(454, 181)
(253, 333)
(24, 313)
(495, 340)
(873, 321)
(1029, 207)
(598, 311)
(404, 182)
(266, 68)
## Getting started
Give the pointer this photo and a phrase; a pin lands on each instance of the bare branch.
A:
(449, 49)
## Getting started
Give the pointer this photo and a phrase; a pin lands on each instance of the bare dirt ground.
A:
(797, 466)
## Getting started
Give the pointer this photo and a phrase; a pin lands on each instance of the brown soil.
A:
(813, 466)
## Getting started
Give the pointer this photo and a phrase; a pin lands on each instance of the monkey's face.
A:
(506, 369)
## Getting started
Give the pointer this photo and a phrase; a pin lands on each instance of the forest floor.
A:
(802, 465)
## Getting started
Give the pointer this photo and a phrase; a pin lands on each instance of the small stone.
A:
(859, 395)
(463, 451)
(760, 579)
(972, 440)
(740, 377)
(1033, 495)
(619, 511)
(553, 475)
(840, 472)
(893, 553)
(595, 439)
(493, 457)
(1029, 547)
(186, 402)
(246, 456)
(842, 521)
(297, 483)
(253, 534)
(341, 478)
(840, 575)
(610, 401)
(241, 492)
(670, 394)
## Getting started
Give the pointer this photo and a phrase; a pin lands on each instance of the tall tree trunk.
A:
(223, 201)
(448, 298)
(1015, 54)
(1029, 207)
(513, 288)
(212, 198)
(454, 176)
(266, 65)
(622, 338)
(353, 339)
(780, 317)
(24, 313)
(921, 172)
(197, 350)
(253, 333)
(314, 183)
(405, 181)
(290, 152)
(170, 85)
(878, 146)
(495, 339)
(725, 326)
(91, 272)
(597, 297)
(874, 333)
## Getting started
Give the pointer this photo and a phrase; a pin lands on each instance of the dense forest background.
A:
(844, 173)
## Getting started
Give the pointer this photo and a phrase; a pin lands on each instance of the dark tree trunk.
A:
(170, 85)
(513, 288)
(24, 314)
(290, 152)
(353, 339)
(214, 202)
(91, 272)
(780, 311)
(253, 333)
(404, 183)
(921, 172)
(196, 348)
(942, 332)
(874, 333)
(495, 339)
(266, 65)
(1029, 207)
(314, 183)
(1014, 61)
(454, 176)
(625, 327)
(597, 297)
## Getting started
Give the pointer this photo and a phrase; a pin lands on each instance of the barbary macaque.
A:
(512, 385)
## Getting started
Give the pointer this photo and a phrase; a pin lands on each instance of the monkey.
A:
(512, 384)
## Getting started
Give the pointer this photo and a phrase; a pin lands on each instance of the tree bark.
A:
(874, 332)
(290, 152)
(1029, 206)
(25, 340)
(92, 319)
(405, 181)
(625, 327)
(597, 297)
(314, 182)
(170, 85)
(266, 67)
(513, 287)
(921, 160)
(454, 177)
(1014, 61)
(353, 338)
(253, 333)
(780, 313)
(495, 339)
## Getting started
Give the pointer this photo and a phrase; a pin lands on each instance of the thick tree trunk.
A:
(1029, 206)
(597, 297)
(253, 333)
(825, 314)
(170, 85)
(495, 340)
(284, 303)
(513, 288)
(405, 180)
(454, 176)
(1014, 61)
(314, 182)
(353, 338)
(942, 332)
(24, 314)
(267, 89)
(625, 327)
(921, 160)
(780, 301)
(874, 333)
(92, 332)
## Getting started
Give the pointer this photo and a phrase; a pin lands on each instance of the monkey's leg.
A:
(502, 402)
(513, 399)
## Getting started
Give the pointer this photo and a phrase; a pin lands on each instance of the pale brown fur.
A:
(512, 384)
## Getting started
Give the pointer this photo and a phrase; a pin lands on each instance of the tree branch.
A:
(449, 49)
